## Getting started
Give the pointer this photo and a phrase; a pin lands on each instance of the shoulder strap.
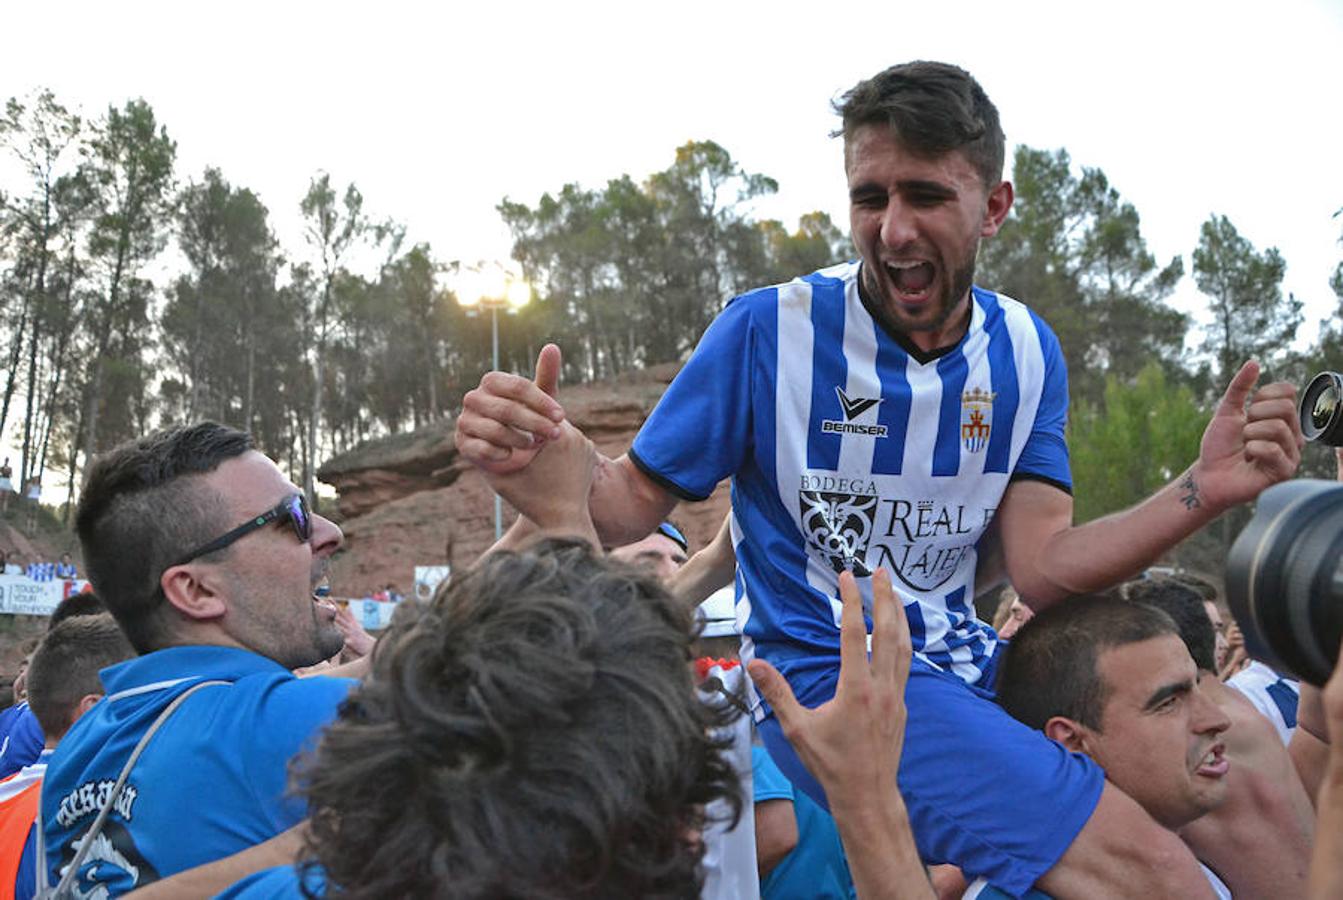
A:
(65, 888)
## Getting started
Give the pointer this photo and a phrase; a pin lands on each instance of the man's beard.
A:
(947, 303)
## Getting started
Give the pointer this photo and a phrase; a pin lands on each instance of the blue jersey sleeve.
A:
(767, 782)
(700, 431)
(1045, 456)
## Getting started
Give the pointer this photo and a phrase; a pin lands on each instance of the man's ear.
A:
(195, 590)
(84, 705)
(1069, 733)
(999, 202)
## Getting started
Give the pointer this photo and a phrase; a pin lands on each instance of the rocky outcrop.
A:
(379, 472)
(409, 500)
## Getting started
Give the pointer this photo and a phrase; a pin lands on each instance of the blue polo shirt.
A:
(211, 782)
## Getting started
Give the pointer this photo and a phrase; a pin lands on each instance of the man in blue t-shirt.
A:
(882, 414)
(208, 558)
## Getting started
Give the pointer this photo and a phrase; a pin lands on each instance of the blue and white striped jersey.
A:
(848, 449)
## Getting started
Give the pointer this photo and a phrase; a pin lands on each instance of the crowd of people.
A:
(63, 569)
(808, 706)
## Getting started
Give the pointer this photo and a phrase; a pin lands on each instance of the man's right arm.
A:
(626, 504)
(508, 419)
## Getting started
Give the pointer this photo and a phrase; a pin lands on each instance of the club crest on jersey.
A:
(976, 418)
(853, 408)
(838, 527)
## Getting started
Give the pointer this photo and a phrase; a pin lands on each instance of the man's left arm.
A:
(1245, 449)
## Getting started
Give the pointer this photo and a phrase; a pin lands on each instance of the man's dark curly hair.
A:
(933, 108)
(534, 733)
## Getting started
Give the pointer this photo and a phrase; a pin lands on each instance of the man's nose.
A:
(326, 536)
(898, 224)
(1209, 717)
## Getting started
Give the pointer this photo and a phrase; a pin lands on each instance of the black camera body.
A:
(1284, 578)
(1322, 409)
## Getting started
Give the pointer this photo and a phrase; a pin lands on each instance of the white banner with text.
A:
(21, 595)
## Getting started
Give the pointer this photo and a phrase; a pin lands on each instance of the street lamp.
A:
(491, 286)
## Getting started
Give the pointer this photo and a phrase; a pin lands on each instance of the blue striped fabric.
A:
(850, 452)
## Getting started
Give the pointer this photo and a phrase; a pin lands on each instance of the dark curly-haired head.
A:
(534, 733)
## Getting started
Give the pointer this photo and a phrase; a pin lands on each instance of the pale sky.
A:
(437, 112)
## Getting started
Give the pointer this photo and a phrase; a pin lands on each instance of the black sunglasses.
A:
(294, 508)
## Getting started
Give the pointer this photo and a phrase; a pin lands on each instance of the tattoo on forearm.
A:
(1190, 497)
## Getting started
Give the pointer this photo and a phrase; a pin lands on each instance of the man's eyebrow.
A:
(865, 188)
(927, 187)
(1160, 695)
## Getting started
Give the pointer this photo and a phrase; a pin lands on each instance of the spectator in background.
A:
(6, 485)
(1275, 695)
(33, 495)
(535, 733)
(20, 733)
(663, 551)
(41, 571)
(63, 685)
(1011, 614)
(11, 563)
(65, 569)
(1258, 841)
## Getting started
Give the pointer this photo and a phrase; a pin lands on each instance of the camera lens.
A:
(1322, 409)
(1284, 578)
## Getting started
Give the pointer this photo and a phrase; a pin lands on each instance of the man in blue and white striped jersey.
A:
(881, 414)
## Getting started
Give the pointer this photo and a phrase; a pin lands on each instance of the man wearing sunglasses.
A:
(208, 557)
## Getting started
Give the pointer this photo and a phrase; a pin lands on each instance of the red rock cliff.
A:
(409, 500)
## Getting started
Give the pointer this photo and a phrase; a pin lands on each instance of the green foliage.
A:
(1251, 319)
(220, 313)
(129, 168)
(1144, 435)
(315, 357)
(633, 274)
(1072, 249)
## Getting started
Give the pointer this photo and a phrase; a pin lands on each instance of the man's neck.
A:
(923, 345)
